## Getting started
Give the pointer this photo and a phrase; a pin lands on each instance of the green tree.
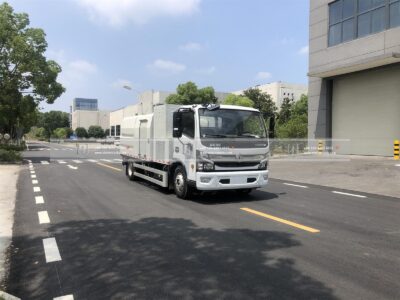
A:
(60, 133)
(26, 76)
(96, 132)
(232, 99)
(52, 120)
(188, 93)
(81, 132)
(293, 119)
(294, 128)
(262, 101)
(300, 107)
(286, 111)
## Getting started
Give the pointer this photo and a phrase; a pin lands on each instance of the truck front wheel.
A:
(181, 187)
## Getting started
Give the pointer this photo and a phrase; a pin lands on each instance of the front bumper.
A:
(210, 181)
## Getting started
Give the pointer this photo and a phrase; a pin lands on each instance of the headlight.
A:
(263, 165)
(205, 166)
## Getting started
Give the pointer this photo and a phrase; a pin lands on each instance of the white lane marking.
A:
(43, 217)
(36, 189)
(92, 160)
(39, 200)
(55, 149)
(66, 297)
(32, 172)
(33, 176)
(72, 167)
(34, 181)
(106, 160)
(348, 194)
(297, 185)
(51, 250)
(61, 162)
(77, 161)
(31, 168)
(398, 165)
(28, 160)
(118, 159)
(44, 162)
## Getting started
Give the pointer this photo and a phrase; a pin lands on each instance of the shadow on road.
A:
(225, 197)
(164, 258)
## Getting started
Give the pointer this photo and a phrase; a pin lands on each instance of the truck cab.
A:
(221, 147)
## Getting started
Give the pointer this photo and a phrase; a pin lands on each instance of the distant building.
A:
(85, 113)
(281, 90)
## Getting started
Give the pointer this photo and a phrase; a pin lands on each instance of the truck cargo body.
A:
(210, 147)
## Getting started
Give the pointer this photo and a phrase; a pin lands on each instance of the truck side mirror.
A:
(177, 125)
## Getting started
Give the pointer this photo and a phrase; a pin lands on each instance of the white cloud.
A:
(263, 75)
(167, 66)
(190, 47)
(207, 71)
(304, 50)
(117, 13)
(121, 83)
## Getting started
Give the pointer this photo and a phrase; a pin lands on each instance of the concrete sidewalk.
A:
(368, 174)
(8, 191)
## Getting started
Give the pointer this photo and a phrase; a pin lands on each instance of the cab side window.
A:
(188, 124)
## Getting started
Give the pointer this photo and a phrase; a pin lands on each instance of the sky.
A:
(103, 45)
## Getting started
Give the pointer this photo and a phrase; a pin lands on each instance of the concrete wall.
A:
(327, 62)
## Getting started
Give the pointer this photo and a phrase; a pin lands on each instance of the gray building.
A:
(354, 74)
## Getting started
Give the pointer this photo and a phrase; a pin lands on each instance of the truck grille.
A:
(236, 164)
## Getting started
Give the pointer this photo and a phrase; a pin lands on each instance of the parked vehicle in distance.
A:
(204, 147)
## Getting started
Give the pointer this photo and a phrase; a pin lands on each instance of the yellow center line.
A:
(107, 166)
(287, 222)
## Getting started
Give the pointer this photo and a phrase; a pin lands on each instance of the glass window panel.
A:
(335, 12)
(348, 8)
(348, 30)
(395, 14)
(364, 5)
(364, 24)
(378, 20)
(335, 34)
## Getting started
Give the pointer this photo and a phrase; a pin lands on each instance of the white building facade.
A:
(280, 90)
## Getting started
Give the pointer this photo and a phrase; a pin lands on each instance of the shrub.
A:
(81, 132)
(10, 156)
(13, 147)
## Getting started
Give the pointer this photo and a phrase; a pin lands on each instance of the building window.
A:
(112, 131)
(118, 130)
(394, 13)
(351, 19)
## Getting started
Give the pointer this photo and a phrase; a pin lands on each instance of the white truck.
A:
(197, 147)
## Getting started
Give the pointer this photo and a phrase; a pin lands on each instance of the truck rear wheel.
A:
(130, 171)
(181, 187)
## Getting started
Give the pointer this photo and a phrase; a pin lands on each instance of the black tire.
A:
(181, 187)
(130, 171)
(244, 192)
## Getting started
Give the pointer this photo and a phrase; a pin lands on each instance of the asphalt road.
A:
(104, 237)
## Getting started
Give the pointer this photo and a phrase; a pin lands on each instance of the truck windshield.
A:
(230, 123)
